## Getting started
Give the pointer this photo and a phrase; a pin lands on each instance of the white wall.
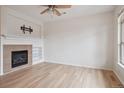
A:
(118, 69)
(83, 41)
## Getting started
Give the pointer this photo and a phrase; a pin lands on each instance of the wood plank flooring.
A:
(48, 75)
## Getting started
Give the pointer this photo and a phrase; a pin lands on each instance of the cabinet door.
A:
(13, 27)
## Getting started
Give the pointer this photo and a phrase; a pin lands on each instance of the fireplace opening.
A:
(19, 58)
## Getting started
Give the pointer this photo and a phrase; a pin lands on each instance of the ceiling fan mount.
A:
(53, 9)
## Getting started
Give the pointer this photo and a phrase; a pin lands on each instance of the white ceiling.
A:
(74, 11)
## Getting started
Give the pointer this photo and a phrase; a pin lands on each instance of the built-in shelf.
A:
(36, 53)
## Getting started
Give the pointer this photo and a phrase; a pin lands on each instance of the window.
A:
(121, 39)
(122, 43)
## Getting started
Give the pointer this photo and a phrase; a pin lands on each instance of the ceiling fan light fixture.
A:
(50, 12)
(64, 13)
(53, 9)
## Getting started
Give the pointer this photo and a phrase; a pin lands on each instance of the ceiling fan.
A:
(53, 9)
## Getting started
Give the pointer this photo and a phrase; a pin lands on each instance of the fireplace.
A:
(19, 58)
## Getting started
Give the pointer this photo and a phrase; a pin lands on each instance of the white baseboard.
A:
(98, 67)
(47, 61)
(94, 67)
(1, 74)
(37, 62)
(118, 77)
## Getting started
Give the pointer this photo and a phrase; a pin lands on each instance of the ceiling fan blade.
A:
(62, 6)
(57, 12)
(44, 11)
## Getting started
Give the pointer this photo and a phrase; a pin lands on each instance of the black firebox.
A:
(19, 58)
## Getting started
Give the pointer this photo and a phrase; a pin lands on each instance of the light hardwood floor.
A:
(48, 75)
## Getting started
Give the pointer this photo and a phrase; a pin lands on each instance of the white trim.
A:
(37, 62)
(48, 61)
(86, 66)
(98, 67)
(1, 57)
(121, 65)
(119, 77)
(1, 61)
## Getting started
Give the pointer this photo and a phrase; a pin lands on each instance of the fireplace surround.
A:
(16, 57)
